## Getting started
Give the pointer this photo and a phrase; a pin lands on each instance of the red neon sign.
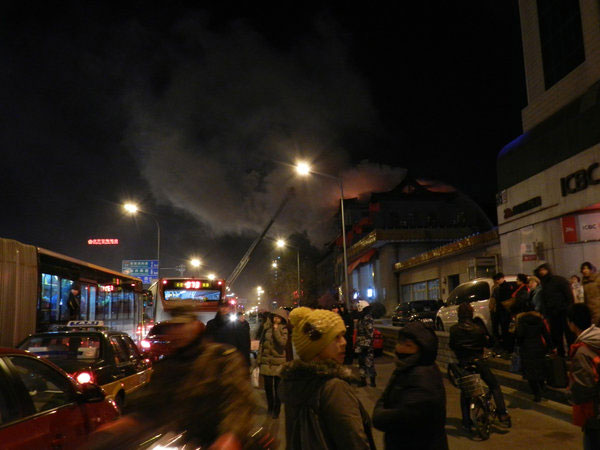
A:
(103, 242)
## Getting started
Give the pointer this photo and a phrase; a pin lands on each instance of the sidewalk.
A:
(544, 425)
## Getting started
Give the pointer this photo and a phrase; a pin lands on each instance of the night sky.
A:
(197, 112)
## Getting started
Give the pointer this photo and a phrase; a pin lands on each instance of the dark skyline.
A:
(195, 112)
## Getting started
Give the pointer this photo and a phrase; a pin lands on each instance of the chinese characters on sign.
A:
(146, 269)
(103, 242)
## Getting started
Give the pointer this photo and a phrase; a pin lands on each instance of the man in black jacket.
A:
(412, 409)
(468, 340)
(227, 328)
(556, 299)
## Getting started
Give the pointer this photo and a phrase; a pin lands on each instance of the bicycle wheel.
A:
(480, 417)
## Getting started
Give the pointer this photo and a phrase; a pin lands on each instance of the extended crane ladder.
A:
(242, 264)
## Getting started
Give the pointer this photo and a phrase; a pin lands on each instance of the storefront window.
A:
(433, 289)
(406, 293)
(420, 291)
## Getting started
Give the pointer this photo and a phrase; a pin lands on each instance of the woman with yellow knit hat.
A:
(321, 409)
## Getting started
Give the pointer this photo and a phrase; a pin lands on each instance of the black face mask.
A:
(404, 355)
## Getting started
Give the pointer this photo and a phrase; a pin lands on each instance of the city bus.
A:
(199, 295)
(35, 286)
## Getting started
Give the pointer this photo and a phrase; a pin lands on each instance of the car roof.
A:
(76, 332)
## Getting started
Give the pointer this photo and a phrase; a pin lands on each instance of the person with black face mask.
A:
(412, 409)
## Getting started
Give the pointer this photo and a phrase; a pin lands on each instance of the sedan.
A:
(42, 407)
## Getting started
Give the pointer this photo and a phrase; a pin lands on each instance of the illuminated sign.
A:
(103, 242)
(192, 284)
(580, 180)
(108, 288)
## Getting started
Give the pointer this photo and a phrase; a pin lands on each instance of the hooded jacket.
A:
(534, 342)
(467, 340)
(412, 409)
(322, 387)
(583, 376)
(556, 292)
(273, 342)
(591, 290)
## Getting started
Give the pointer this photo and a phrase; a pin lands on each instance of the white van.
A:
(478, 293)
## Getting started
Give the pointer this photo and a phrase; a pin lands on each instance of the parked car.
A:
(417, 310)
(93, 354)
(478, 293)
(42, 407)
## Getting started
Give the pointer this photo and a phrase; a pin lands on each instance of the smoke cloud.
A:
(218, 127)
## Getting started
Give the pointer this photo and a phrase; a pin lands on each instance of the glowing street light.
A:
(280, 243)
(132, 209)
(211, 276)
(274, 265)
(302, 168)
(195, 262)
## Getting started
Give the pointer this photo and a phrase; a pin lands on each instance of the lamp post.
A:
(133, 209)
(281, 244)
(304, 169)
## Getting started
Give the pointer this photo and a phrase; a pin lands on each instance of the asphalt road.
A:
(531, 429)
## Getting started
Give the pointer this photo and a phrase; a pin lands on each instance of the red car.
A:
(42, 407)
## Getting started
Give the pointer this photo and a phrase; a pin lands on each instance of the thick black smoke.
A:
(233, 113)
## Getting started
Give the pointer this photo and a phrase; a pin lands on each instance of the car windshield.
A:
(64, 347)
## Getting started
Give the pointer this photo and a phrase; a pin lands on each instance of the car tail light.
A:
(84, 377)
(145, 344)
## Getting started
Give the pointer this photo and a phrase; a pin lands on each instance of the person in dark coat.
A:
(349, 322)
(534, 341)
(556, 298)
(468, 341)
(74, 301)
(412, 409)
(521, 295)
(227, 331)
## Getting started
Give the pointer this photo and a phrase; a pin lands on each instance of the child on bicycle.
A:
(468, 340)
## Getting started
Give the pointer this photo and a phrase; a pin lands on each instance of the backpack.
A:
(307, 432)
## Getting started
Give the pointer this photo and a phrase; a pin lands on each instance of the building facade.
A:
(549, 177)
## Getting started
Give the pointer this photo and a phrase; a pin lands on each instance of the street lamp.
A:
(281, 243)
(132, 209)
(304, 169)
(196, 263)
(211, 276)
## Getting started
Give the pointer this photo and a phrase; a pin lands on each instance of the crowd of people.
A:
(206, 384)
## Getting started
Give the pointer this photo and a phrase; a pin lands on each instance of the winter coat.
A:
(534, 342)
(237, 334)
(583, 385)
(591, 289)
(521, 296)
(364, 331)
(203, 389)
(467, 340)
(412, 409)
(535, 298)
(556, 293)
(322, 387)
(272, 348)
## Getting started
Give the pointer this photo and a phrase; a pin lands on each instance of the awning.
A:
(365, 258)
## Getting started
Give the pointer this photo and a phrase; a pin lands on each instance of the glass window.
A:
(64, 347)
(420, 291)
(561, 38)
(119, 350)
(65, 290)
(49, 299)
(406, 293)
(131, 347)
(433, 289)
(47, 388)
(477, 291)
(9, 410)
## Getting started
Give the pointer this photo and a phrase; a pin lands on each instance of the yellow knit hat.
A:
(313, 330)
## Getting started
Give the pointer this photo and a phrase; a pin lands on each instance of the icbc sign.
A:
(579, 180)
